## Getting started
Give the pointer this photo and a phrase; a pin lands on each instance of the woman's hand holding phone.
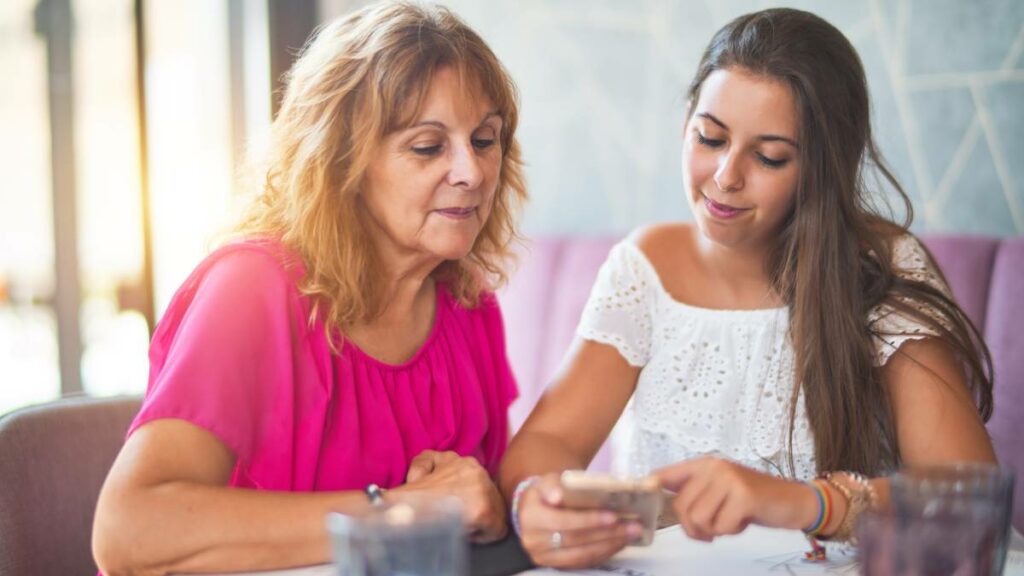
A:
(558, 534)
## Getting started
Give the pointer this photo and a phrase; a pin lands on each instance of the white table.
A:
(755, 552)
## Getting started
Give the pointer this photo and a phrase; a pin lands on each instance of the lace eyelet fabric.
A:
(713, 382)
(891, 327)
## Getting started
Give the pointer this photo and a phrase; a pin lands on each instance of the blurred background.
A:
(125, 123)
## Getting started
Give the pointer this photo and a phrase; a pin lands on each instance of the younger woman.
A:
(791, 331)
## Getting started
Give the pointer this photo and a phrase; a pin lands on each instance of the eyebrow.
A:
(761, 137)
(442, 126)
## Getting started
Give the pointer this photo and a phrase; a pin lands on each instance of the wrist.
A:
(808, 507)
(517, 501)
(857, 494)
(841, 503)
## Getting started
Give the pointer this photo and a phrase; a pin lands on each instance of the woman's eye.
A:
(483, 143)
(708, 141)
(433, 150)
(771, 162)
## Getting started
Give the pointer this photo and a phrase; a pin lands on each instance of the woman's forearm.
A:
(193, 527)
(534, 453)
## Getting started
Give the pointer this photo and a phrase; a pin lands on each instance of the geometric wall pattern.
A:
(602, 84)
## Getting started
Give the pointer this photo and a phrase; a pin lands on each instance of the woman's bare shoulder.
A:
(668, 246)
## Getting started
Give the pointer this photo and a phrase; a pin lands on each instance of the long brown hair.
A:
(361, 78)
(832, 263)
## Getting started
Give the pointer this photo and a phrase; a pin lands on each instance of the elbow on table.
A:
(118, 546)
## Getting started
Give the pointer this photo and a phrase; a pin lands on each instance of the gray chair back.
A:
(53, 460)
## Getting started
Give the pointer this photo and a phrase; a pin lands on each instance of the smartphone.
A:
(637, 499)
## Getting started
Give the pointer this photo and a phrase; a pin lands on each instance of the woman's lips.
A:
(722, 211)
(457, 213)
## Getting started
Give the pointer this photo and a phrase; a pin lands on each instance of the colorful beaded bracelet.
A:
(817, 552)
(824, 509)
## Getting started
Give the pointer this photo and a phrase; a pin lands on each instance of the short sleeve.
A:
(222, 357)
(890, 327)
(619, 309)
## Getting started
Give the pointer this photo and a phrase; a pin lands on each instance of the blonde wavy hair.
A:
(359, 79)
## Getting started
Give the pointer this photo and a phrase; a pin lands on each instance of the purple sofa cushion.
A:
(578, 267)
(526, 304)
(966, 262)
(542, 305)
(1003, 333)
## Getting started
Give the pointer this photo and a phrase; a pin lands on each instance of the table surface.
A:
(754, 552)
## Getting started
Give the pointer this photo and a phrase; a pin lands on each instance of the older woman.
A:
(347, 339)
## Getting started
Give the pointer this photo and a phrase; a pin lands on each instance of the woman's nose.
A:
(465, 170)
(729, 176)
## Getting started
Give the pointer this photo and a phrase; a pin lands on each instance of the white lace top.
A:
(714, 382)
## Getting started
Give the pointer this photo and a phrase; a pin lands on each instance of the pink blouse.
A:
(235, 354)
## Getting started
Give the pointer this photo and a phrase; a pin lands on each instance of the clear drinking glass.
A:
(965, 544)
(949, 519)
(415, 537)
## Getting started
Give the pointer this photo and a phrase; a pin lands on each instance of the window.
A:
(73, 299)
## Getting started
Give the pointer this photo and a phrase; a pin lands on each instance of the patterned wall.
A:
(602, 85)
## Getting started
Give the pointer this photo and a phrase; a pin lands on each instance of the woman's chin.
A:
(713, 230)
(452, 250)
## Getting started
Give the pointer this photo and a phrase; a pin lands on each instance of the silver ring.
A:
(556, 540)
